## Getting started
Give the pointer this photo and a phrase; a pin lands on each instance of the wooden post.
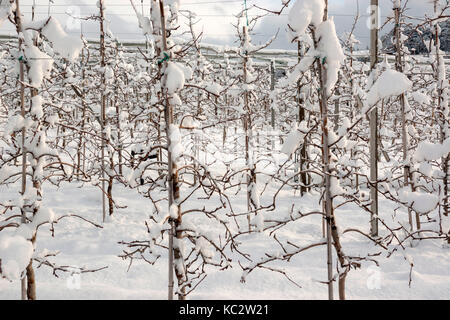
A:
(441, 109)
(272, 89)
(272, 109)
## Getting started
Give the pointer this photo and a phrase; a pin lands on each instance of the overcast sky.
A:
(216, 17)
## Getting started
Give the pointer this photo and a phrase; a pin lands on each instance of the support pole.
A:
(373, 123)
(272, 89)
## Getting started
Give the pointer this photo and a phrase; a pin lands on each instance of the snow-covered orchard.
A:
(169, 168)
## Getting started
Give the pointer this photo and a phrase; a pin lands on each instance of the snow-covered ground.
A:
(83, 245)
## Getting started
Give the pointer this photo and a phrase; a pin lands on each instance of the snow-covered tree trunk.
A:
(103, 105)
(302, 153)
(328, 65)
(37, 66)
(328, 201)
(248, 129)
(326, 53)
(156, 31)
(373, 119)
(442, 107)
(81, 150)
(174, 188)
(326, 169)
(407, 181)
(19, 28)
(30, 284)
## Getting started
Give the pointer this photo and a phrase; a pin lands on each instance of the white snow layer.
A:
(304, 13)
(6, 9)
(419, 201)
(174, 78)
(145, 24)
(175, 147)
(431, 151)
(36, 107)
(331, 52)
(294, 139)
(390, 83)
(15, 255)
(40, 65)
(67, 46)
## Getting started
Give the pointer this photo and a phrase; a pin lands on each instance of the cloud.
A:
(216, 18)
(344, 12)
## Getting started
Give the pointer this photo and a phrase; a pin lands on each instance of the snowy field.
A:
(84, 245)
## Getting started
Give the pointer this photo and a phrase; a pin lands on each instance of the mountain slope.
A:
(415, 42)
